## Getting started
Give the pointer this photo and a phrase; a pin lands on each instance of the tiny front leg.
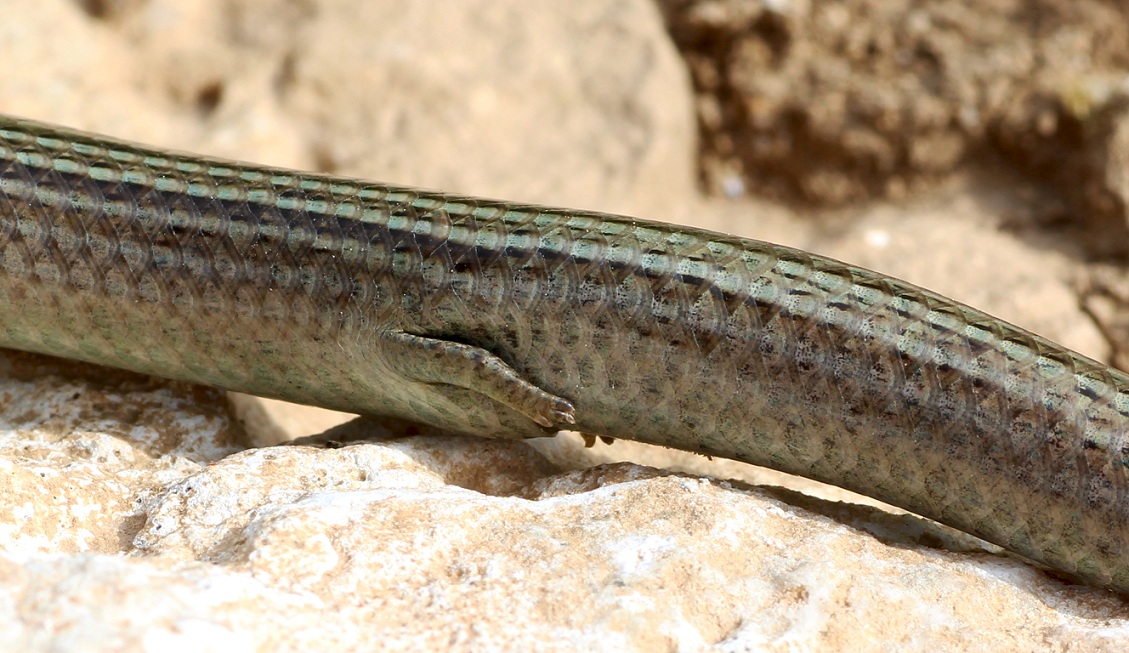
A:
(430, 360)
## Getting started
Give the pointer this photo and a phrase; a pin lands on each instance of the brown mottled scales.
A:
(509, 320)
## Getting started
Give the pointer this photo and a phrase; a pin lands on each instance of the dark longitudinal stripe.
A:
(484, 316)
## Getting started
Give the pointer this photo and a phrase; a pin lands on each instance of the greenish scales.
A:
(508, 320)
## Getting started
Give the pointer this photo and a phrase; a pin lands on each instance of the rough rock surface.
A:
(136, 515)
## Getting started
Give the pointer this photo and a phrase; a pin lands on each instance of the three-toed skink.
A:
(510, 320)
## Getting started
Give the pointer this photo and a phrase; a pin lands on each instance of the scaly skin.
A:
(508, 320)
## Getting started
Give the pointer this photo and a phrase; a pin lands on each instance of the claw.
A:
(560, 411)
(590, 439)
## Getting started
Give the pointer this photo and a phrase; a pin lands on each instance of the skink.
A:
(509, 320)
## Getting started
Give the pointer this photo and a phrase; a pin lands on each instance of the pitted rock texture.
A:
(135, 517)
